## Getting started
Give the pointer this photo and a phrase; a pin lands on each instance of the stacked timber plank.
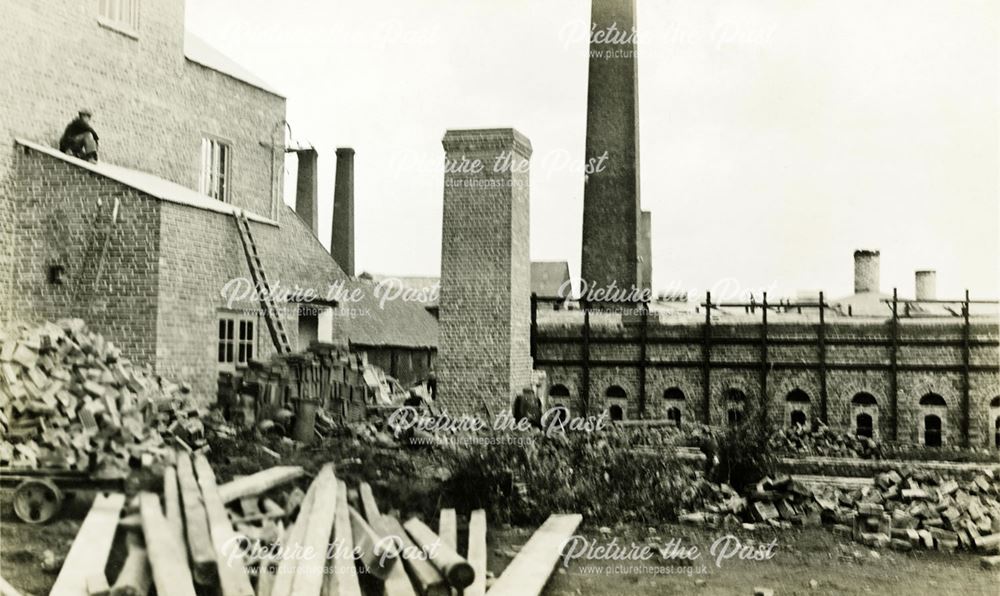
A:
(68, 399)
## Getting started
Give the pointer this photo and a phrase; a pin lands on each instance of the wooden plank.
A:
(6, 589)
(452, 565)
(425, 576)
(199, 538)
(377, 555)
(233, 578)
(527, 574)
(260, 482)
(448, 528)
(370, 509)
(172, 504)
(267, 568)
(290, 552)
(134, 579)
(309, 575)
(91, 546)
(476, 553)
(171, 574)
(344, 580)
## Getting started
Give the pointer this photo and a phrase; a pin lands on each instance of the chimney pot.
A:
(926, 284)
(866, 271)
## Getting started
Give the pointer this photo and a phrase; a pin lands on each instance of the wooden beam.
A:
(448, 528)
(199, 538)
(91, 546)
(344, 580)
(452, 565)
(172, 505)
(370, 509)
(6, 589)
(527, 574)
(233, 578)
(309, 576)
(167, 560)
(285, 572)
(260, 482)
(135, 578)
(425, 576)
(377, 555)
(476, 553)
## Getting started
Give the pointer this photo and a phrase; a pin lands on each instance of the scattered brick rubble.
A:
(800, 440)
(68, 399)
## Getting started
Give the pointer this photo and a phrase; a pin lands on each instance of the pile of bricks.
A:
(69, 400)
(801, 440)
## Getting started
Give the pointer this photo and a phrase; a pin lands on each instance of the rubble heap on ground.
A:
(801, 440)
(68, 399)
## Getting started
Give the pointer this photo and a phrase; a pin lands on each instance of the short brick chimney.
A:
(306, 188)
(866, 271)
(926, 284)
(342, 236)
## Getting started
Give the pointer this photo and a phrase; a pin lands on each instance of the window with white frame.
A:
(124, 13)
(236, 341)
(215, 164)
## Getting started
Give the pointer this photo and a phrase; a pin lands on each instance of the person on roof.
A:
(80, 139)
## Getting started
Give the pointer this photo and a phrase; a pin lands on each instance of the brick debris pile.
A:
(901, 510)
(69, 400)
(825, 441)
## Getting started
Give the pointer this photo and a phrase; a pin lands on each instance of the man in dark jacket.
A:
(79, 139)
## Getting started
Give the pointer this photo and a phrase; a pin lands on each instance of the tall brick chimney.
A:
(306, 188)
(611, 219)
(866, 271)
(484, 353)
(926, 285)
(342, 235)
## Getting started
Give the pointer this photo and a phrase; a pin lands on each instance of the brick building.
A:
(141, 244)
(926, 376)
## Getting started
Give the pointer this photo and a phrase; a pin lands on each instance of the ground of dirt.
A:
(800, 556)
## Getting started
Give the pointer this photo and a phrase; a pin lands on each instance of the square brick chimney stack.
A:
(342, 234)
(306, 189)
(926, 282)
(866, 271)
(484, 353)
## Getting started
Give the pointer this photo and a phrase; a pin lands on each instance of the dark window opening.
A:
(616, 413)
(798, 418)
(863, 399)
(996, 436)
(932, 399)
(615, 392)
(797, 396)
(674, 415)
(932, 431)
(734, 416)
(236, 341)
(865, 426)
(559, 391)
(735, 395)
(674, 393)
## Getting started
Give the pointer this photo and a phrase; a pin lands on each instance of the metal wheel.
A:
(36, 501)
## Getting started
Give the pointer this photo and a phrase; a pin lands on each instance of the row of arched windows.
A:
(798, 400)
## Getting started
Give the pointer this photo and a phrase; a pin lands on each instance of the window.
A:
(864, 426)
(864, 399)
(996, 436)
(236, 341)
(798, 418)
(734, 416)
(123, 13)
(932, 399)
(674, 415)
(932, 431)
(797, 396)
(616, 412)
(615, 392)
(674, 393)
(215, 163)
(559, 391)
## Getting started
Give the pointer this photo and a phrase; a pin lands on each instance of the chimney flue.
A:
(306, 193)
(342, 236)
(866, 271)
(926, 282)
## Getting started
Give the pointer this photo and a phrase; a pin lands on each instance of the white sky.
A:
(777, 136)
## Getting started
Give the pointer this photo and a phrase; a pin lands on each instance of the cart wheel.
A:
(37, 501)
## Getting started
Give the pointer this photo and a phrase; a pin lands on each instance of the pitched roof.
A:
(199, 51)
(547, 278)
(374, 321)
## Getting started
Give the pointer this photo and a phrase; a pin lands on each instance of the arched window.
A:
(674, 415)
(995, 402)
(616, 413)
(932, 399)
(615, 392)
(559, 391)
(932, 430)
(863, 399)
(673, 393)
(735, 395)
(864, 425)
(798, 418)
(559, 415)
(797, 396)
(734, 416)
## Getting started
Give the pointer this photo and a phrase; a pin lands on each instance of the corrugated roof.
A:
(547, 278)
(147, 183)
(198, 50)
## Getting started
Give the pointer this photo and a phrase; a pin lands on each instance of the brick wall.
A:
(484, 350)
(110, 268)
(857, 363)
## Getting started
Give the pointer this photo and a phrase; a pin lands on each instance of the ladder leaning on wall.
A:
(261, 285)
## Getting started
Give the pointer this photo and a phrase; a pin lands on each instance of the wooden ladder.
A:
(261, 285)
